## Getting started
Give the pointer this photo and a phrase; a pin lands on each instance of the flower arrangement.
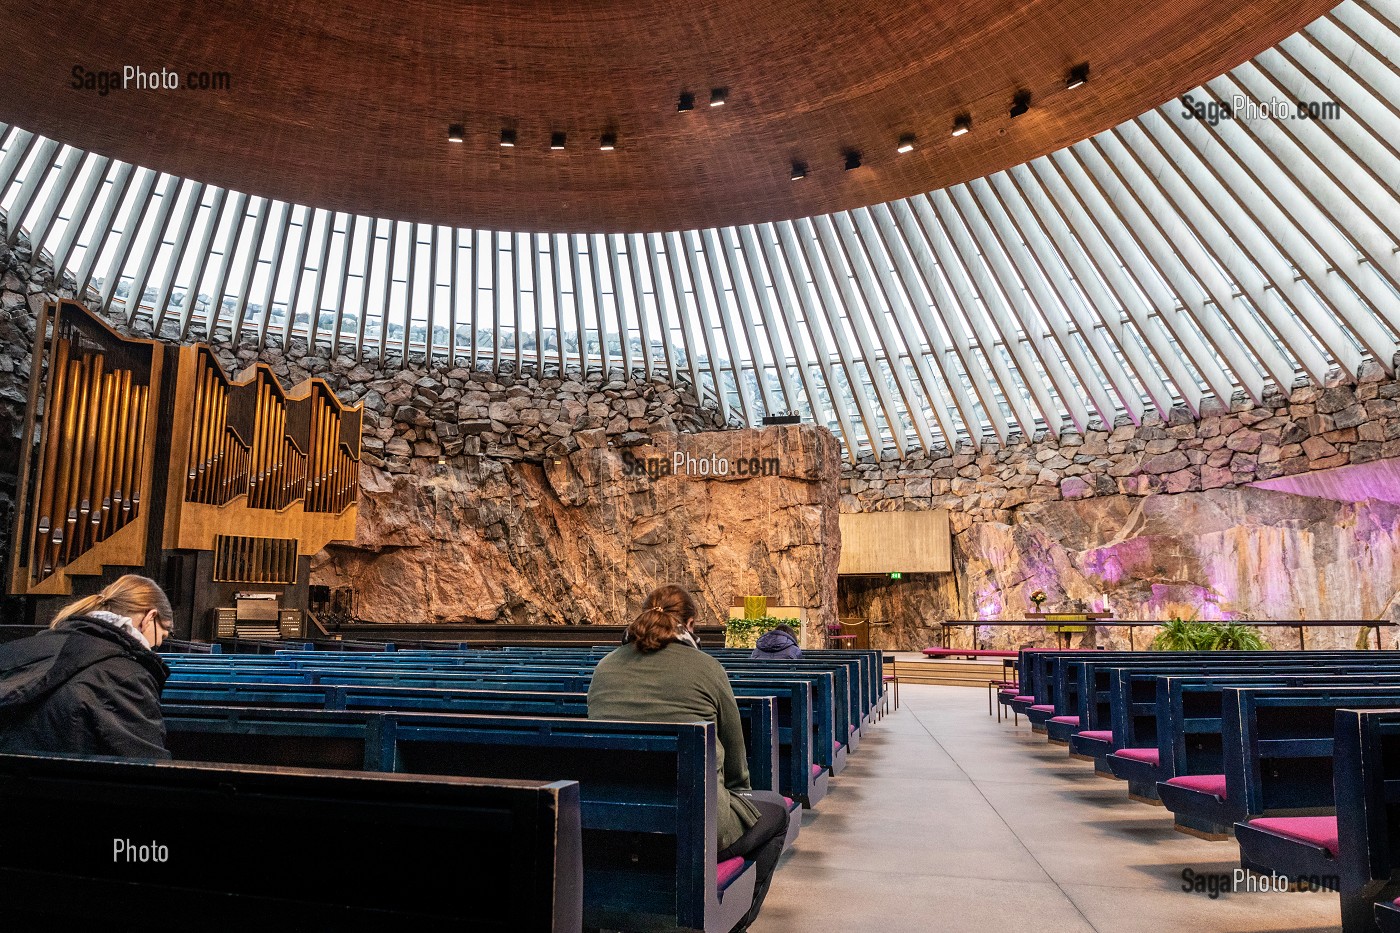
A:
(1038, 597)
(744, 633)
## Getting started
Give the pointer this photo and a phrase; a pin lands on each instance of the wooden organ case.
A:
(85, 487)
(149, 458)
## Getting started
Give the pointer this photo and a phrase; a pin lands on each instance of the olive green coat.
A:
(681, 684)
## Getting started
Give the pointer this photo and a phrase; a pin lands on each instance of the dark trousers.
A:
(762, 842)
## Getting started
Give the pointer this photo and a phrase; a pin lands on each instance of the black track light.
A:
(456, 133)
(852, 159)
(556, 140)
(906, 143)
(608, 142)
(962, 124)
(718, 96)
(1078, 75)
(1020, 103)
(686, 102)
(799, 171)
(508, 138)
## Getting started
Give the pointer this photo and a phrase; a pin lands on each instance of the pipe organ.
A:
(139, 451)
(86, 480)
(259, 465)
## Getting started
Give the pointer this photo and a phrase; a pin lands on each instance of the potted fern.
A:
(1180, 634)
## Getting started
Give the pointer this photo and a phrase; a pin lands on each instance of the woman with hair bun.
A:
(660, 675)
(91, 684)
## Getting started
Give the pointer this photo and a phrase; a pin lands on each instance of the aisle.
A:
(947, 820)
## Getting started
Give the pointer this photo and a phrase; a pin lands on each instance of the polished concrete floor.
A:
(947, 820)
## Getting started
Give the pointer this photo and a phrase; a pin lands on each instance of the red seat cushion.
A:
(727, 871)
(1205, 783)
(1068, 720)
(1314, 830)
(1097, 735)
(1150, 755)
(1043, 708)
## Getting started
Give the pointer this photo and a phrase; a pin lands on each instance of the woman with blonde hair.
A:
(91, 684)
(660, 675)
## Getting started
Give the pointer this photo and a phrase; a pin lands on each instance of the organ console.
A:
(139, 451)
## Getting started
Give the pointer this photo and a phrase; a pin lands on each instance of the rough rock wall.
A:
(1159, 519)
(584, 537)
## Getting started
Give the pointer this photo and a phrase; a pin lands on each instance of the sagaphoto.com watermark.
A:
(103, 81)
(681, 463)
(1241, 107)
(1240, 881)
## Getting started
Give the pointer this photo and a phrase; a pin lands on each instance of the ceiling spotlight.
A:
(718, 95)
(508, 138)
(1020, 103)
(556, 140)
(962, 124)
(608, 142)
(686, 102)
(456, 133)
(852, 159)
(906, 143)
(799, 171)
(1077, 76)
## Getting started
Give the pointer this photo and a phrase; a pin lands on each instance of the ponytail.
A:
(131, 596)
(667, 612)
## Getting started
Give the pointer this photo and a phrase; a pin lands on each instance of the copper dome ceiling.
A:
(346, 104)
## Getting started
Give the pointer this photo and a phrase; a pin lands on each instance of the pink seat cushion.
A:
(727, 871)
(1314, 830)
(791, 804)
(1023, 699)
(1068, 720)
(1043, 708)
(1150, 755)
(836, 746)
(1205, 783)
(1097, 735)
(816, 770)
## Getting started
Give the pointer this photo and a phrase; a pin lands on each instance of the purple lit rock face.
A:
(1378, 480)
(1219, 554)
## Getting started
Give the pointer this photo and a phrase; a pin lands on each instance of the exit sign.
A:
(896, 576)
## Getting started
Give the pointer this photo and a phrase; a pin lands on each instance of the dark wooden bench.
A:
(177, 846)
(758, 712)
(1366, 781)
(827, 757)
(1290, 728)
(647, 790)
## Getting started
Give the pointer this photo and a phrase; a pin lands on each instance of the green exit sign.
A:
(896, 576)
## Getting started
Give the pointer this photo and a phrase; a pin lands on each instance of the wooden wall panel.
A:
(895, 542)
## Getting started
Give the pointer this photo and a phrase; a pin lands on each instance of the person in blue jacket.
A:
(778, 645)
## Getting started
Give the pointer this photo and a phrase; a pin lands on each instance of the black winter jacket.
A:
(84, 688)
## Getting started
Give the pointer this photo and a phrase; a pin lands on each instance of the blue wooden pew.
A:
(178, 846)
(826, 753)
(1276, 756)
(758, 711)
(646, 789)
(1366, 781)
(1179, 731)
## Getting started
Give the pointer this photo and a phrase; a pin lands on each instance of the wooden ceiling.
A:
(345, 104)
